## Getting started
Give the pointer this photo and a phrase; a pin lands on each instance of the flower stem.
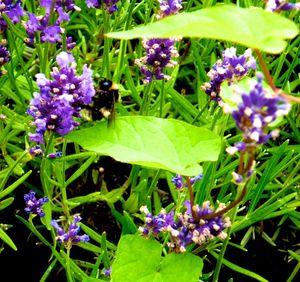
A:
(192, 200)
(270, 80)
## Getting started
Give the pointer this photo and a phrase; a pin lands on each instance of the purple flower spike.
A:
(169, 7)
(71, 236)
(4, 55)
(61, 98)
(110, 5)
(178, 182)
(13, 9)
(34, 205)
(281, 5)
(159, 54)
(255, 112)
(231, 68)
(186, 229)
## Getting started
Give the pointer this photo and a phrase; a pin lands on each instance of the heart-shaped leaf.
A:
(251, 27)
(139, 259)
(152, 142)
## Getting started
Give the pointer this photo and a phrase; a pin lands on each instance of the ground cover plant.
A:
(149, 140)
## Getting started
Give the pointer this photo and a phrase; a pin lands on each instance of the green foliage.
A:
(252, 27)
(144, 256)
(152, 142)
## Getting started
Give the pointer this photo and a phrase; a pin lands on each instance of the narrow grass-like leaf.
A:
(152, 142)
(95, 236)
(6, 239)
(13, 186)
(81, 169)
(5, 203)
(240, 269)
(252, 27)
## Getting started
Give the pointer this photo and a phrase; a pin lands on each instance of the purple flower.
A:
(61, 98)
(55, 155)
(36, 151)
(231, 68)
(70, 236)
(159, 54)
(13, 10)
(107, 272)
(110, 5)
(156, 224)
(169, 7)
(281, 5)
(256, 111)
(4, 55)
(186, 229)
(177, 180)
(51, 34)
(34, 205)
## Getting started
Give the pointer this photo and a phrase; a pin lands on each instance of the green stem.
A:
(123, 45)
(106, 26)
(225, 243)
(43, 170)
(201, 112)
(162, 98)
(63, 184)
(146, 98)
(192, 200)
(68, 267)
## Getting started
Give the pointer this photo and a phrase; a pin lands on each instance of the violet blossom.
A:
(179, 184)
(34, 205)
(185, 229)
(70, 236)
(281, 5)
(61, 98)
(109, 5)
(231, 69)
(169, 7)
(159, 54)
(256, 110)
(13, 9)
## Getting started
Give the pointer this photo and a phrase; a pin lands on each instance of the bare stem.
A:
(269, 78)
(192, 201)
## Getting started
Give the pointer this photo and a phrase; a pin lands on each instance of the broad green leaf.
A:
(252, 27)
(152, 142)
(139, 259)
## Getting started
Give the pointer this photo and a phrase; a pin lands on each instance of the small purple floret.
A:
(34, 205)
(231, 68)
(71, 236)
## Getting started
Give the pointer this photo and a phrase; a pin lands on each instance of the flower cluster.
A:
(36, 151)
(231, 68)
(4, 58)
(60, 99)
(169, 7)
(12, 9)
(110, 5)
(254, 113)
(159, 51)
(159, 54)
(186, 229)
(178, 182)
(34, 205)
(49, 32)
(70, 236)
(281, 5)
